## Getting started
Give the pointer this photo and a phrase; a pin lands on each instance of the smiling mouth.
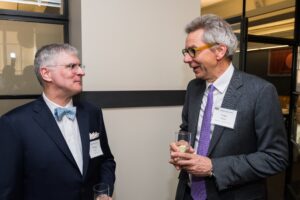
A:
(195, 69)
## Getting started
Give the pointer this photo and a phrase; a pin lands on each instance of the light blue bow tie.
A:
(69, 112)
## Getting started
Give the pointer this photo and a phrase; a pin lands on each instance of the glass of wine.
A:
(101, 191)
(183, 140)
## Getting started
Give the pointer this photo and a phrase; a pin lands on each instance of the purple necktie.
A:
(198, 190)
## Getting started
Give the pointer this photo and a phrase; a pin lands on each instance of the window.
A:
(18, 44)
(25, 26)
(39, 6)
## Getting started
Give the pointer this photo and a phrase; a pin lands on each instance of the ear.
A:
(45, 74)
(220, 51)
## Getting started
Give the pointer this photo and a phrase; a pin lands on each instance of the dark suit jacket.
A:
(254, 149)
(36, 162)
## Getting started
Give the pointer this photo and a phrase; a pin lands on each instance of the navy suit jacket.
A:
(36, 162)
(254, 149)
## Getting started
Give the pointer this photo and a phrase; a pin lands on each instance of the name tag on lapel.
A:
(224, 117)
(95, 148)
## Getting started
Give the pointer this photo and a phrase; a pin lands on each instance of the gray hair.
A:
(216, 31)
(47, 54)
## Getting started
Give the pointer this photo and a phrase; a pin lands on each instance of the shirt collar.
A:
(223, 81)
(53, 105)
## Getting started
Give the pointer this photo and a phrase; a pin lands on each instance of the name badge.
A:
(224, 117)
(95, 149)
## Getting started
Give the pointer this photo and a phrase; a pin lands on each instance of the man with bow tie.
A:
(46, 151)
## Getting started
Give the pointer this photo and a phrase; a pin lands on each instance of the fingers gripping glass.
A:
(192, 50)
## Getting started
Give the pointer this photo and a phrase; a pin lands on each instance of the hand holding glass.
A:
(101, 191)
(183, 140)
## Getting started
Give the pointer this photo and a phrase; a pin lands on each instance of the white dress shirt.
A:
(70, 131)
(221, 85)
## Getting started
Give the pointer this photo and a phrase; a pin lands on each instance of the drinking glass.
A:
(183, 140)
(101, 191)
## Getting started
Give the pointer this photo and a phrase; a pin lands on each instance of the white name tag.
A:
(224, 117)
(95, 149)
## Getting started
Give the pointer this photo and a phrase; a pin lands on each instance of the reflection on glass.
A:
(18, 44)
(253, 7)
(221, 7)
(7, 105)
(262, 6)
(236, 29)
(271, 62)
(297, 133)
(278, 23)
(284, 103)
(267, 18)
(38, 6)
(298, 71)
(296, 130)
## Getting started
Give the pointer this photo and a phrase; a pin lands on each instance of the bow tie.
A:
(69, 112)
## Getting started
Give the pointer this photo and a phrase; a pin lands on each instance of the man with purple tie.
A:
(238, 133)
(55, 147)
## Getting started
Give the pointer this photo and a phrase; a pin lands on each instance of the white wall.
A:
(136, 45)
(139, 138)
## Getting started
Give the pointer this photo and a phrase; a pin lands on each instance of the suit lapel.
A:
(196, 105)
(46, 121)
(230, 101)
(83, 123)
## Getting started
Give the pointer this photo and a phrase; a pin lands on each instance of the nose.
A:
(187, 58)
(80, 71)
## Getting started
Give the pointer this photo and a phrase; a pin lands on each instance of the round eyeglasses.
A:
(72, 66)
(192, 50)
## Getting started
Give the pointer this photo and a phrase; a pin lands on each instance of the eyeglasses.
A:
(192, 50)
(72, 66)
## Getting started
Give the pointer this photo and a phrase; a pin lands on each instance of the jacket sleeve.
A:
(11, 181)
(108, 165)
